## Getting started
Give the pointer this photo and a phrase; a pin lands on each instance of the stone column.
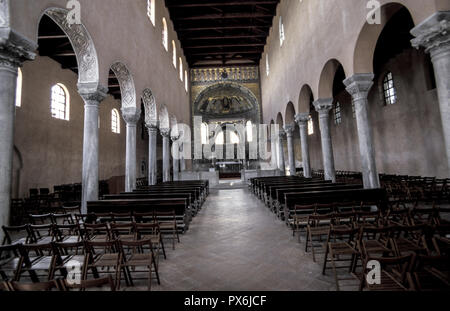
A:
(302, 121)
(281, 162)
(152, 155)
(289, 129)
(359, 86)
(165, 133)
(434, 35)
(182, 159)
(131, 120)
(175, 157)
(12, 53)
(323, 107)
(273, 148)
(93, 95)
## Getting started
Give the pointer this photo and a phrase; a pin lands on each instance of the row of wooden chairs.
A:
(59, 284)
(75, 260)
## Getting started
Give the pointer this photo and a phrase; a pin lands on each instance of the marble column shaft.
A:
(289, 129)
(323, 107)
(358, 86)
(175, 157)
(92, 96)
(281, 162)
(166, 154)
(434, 35)
(130, 159)
(152, 155)
(302, 121)
(14, 50)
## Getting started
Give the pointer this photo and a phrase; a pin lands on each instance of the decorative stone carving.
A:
(359, 86)
(151, 111)
(433, 33)
(323, 106)
(130, 115)
(164, 121)
(15, 49)
(126, 83)
(82, 44)
(92, 93)
(289, 130)
(165, 132)
(302, 119)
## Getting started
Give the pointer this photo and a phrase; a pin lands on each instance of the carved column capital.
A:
(14, 49)
(175, 138)
(433, 34)
(281, 135)
(359, 85)
(302, 119)
(131, 116)
(165, 132)
(289, 130)
(92, 93)
(323, 106)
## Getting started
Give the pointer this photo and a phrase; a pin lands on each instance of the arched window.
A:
(19, 88)
(310, 126)
(267, 65)
(115, 121)
(174, 55)
(165, 34)
(337, 113)
(282, 35)
(186, 80)
(60, 102)
(181, 69)
(390, 93)
(220, 139)
(151, 10)
(249, 127)
(204, 133)
(234, 138)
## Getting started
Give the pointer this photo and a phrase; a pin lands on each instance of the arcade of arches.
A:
(107, 106)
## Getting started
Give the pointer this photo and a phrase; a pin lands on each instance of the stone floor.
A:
(237, 244)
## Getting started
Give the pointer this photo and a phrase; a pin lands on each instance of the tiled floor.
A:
(237, 244)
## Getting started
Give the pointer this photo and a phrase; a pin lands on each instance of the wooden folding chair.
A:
(394, 274)
(101, 255)
(36, 257)
(318, 226)
(431, 273)
(10, 260)
(22, 232)
(139, 258)
(168, 224)
(66, 255)
(341, 242)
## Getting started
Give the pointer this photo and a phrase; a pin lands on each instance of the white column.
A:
(323, 107)
(93, 95)
(434, 35)
(175, 157)
(274, 151)
(13, 51)
(152, 155)
(182, 159)
(302, 121)
(131, 120)
(165, 133)
(281, 162)
(289, 129)
(359, 86)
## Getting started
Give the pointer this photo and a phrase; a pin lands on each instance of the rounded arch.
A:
(280, 119)
(151, 111)
(327, 76)
(289, 116)
(305, 99)
(82, 44)
(368, 37)
(126, 83)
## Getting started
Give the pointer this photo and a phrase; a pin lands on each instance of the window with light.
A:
(60, 102)
(390, 93)
(115, 121)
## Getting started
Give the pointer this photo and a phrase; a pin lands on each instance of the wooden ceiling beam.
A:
(228, 3)
(222, 16)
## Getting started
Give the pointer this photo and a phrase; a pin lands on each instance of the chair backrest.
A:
(91, 230)
(61, 231)
(39, 231)
(62, 219)
(118, 229)
(146, 229)
(87, 284)
(122, 217)
(72, 209)
(37, 249)
(144, 217)
(7, 249)
(106, 246)
(317, 220)
(41, 219)
(34, 287)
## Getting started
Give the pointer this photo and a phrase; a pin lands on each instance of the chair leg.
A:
(325, 260)
(162, 245)
(334, 270)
